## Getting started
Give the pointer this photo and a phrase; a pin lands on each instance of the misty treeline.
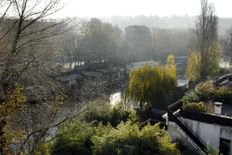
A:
(95, 41)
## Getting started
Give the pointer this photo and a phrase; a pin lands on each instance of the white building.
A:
(200, 130)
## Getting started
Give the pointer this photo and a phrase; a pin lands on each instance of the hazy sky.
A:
(105, 8)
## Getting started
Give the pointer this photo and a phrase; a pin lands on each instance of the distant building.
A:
(138, 39)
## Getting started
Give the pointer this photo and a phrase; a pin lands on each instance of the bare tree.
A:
(207, 38)
(26, 53)
(206, 46)
(227, 44)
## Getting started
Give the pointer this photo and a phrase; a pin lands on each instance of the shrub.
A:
(223, 90)
(83, 138)
(205, 88)
(128, 139)
(195, 106)
(75, 138)
(190, 97)
(102, 111)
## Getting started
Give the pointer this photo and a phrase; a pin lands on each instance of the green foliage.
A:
(81, 138)
(128, 139)
(208, 91)
(75, 138)
(223, 90)
(193, 66)
(43, 149)
(205, 87)
(197, 69)
(195, 106)
(204, 61)
(15, 100)
(171, 68)
(133, 117)
(102, 111)
(100, 41)
(190, 97)
(205, 90)
(152, 84)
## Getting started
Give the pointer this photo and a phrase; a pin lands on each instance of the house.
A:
(201, 130)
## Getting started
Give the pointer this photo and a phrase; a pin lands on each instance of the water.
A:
(224, 64)
(115, 98)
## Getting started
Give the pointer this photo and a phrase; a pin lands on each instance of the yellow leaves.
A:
(171, 66)
(193, 66)
(200, 66)
(58, 99)
(149, 83)
(15, 100)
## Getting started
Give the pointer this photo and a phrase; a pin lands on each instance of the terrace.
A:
(203, 118)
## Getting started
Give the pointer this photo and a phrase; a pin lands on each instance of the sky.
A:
(107, 8)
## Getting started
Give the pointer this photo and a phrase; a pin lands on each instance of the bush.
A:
(75, 138)
(102, 111)
(190, 97)
(223, 90)
(205, 89)
(82, 138)
(128, 139)
(195, 106)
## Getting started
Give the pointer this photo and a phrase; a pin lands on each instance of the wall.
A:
(210, 133)
(176, 133)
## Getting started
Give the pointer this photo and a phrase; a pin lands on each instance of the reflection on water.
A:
(224, 64)
(115, 98)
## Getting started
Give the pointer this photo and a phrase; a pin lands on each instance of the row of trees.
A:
(97, 42)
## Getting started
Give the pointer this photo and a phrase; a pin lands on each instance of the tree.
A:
(15, 100)
(151, 85)
(192, 71)
(206, 44)
(100, 41)
(227, 44)
(26, 58)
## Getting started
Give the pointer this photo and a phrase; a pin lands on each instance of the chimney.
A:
(217, 107)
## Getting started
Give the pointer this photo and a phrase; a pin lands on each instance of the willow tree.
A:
(149, 85)
(206, 45)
